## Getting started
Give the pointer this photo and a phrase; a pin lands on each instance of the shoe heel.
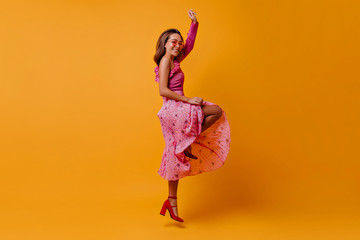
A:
(163, 210)
(168, 206)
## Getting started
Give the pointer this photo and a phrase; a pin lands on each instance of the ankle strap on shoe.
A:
(172, 197)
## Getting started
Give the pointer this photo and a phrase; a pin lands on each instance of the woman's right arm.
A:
(190, 40)
(164, 70)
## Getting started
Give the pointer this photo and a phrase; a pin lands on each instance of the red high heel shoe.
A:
(168, 206)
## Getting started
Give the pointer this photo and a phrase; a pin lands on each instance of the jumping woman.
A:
(196, 132)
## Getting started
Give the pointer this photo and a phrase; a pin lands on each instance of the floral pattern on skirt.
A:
(181, 125)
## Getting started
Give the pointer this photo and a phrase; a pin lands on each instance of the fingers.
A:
(191, 12)
(196, 100)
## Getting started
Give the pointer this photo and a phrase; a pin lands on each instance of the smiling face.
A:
(174, 44)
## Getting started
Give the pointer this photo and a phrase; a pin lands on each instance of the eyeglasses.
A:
(176, 42)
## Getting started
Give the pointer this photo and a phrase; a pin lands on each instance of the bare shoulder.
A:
(165, 64)
(164, 69)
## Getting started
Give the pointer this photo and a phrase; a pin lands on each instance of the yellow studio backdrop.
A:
(81, 143)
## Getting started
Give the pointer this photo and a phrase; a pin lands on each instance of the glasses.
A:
(176, 42)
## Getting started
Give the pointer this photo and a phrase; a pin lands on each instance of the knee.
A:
(218, 111)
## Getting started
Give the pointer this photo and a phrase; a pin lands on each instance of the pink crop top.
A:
(176, 75)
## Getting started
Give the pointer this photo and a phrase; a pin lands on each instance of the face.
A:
(174, 44)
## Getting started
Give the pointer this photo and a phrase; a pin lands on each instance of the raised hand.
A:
(192, 15)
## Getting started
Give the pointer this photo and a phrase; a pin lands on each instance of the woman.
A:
(196, 132)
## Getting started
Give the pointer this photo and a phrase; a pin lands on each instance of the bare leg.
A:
(212, 114)
(173, 185)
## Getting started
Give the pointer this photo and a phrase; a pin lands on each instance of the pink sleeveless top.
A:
(176, 75)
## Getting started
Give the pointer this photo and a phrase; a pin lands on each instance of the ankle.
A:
(172, 200)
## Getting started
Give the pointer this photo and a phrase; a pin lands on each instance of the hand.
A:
(192, 15)
(195, 100)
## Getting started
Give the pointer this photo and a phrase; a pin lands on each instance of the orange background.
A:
(81, 143)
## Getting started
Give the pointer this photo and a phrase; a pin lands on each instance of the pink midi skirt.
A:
(181, 126)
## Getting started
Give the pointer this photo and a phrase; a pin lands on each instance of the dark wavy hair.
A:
(160, 45)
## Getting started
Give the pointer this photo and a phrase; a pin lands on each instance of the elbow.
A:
(162, 92)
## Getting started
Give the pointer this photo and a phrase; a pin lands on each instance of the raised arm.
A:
(190, 40)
